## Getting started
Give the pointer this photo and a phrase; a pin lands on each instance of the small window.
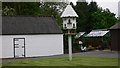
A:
(73, 25)
(69, 21)
(65, 26)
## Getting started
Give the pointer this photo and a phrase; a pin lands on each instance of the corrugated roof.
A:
(69, 12)
(116, 26)
(29, 25)
(97, 33)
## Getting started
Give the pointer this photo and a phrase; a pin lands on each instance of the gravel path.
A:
(102, 54)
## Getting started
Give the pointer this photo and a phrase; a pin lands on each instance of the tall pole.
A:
(70, 45)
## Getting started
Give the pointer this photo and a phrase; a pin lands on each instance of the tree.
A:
(82, 10)
(53, 9)
(22, 8)
(8, 11)
(93, 17)
(92, 7)
(103, 19)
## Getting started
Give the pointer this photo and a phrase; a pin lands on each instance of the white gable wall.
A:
(36, 45)
(0, 46)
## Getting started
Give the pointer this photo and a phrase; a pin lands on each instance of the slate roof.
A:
(116, 26)
(69, 12)
(20, 25)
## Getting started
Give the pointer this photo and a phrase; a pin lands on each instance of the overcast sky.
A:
(110, 4)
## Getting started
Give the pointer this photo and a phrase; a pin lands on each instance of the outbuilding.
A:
(98, 38)
(24, 36)
(115, 37)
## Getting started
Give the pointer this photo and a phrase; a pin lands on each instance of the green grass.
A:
(77, 61)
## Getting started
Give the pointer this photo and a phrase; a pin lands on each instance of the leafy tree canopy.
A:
(93, 17)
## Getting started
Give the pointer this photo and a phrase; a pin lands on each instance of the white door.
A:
(19, 47)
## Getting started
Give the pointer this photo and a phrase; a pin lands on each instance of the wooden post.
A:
(70, 45)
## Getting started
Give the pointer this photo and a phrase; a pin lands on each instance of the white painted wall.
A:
(119, 9)
(36, 45)
(0, 47)
(65, 21)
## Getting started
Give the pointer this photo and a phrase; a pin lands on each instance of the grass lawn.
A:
(77, 61)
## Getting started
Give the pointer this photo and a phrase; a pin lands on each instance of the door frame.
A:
(17, 44)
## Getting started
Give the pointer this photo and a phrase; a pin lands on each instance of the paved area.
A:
(104, 54)
(101, 54)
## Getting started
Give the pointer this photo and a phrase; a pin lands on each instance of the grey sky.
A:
(110, 4)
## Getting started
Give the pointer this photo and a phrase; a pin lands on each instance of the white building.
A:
(30, 37)
(119, 9)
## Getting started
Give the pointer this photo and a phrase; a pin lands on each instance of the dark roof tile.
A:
(29, 25)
